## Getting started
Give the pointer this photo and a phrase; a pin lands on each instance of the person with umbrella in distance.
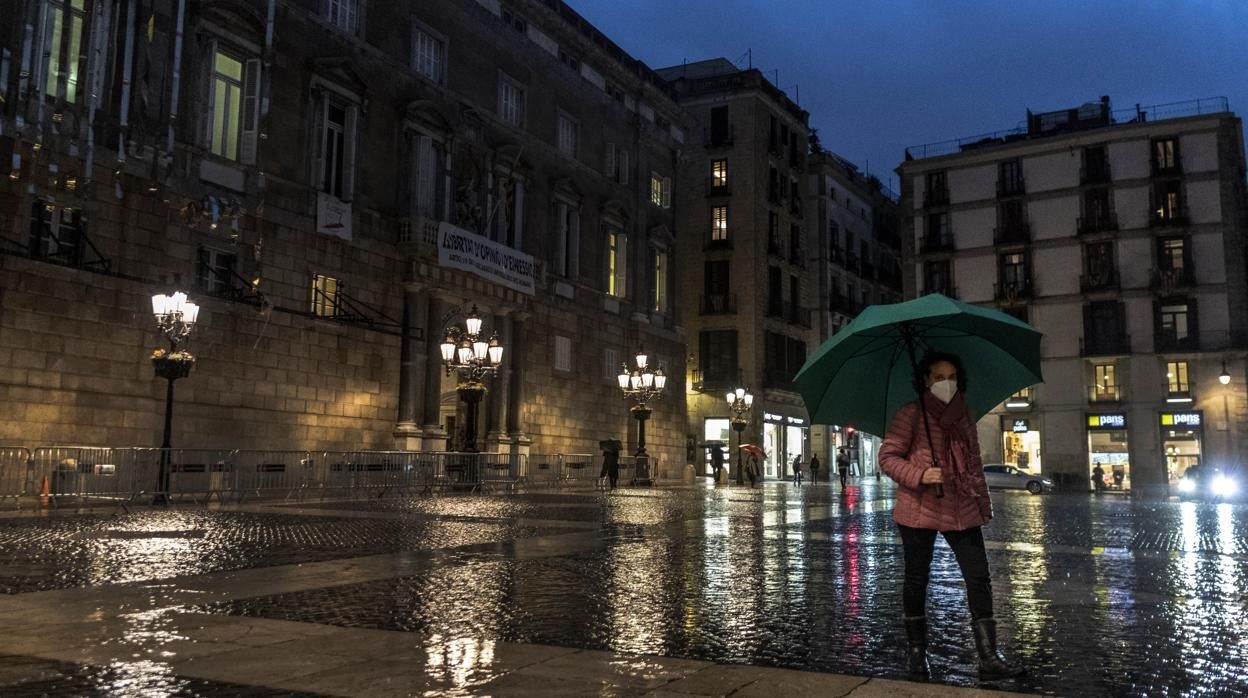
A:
(932, 452)
(610, 460)
(717, 461)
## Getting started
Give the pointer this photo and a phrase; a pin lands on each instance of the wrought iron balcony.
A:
(1010, 187)
(938, 242)
(1012, 233)
(1171, 280)
(718, 187)
(718, 138)
(1105, 344)
(1100, 223)
(938, 196)
(718, 304)
(1013, 291)
(1105, 280)
(1164, 341)
(1095, 175)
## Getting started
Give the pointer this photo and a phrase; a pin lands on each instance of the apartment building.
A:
(1120, 236)
(335, 183)
(748, 264)
(857, 260)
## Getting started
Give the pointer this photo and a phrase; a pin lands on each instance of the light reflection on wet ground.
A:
(1104, 596)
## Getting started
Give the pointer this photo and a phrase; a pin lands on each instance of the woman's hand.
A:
(933, 476)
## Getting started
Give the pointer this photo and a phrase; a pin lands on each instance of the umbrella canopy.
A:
(754, 449)
(610, 445)
(863, 373)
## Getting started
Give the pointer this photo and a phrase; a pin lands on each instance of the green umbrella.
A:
(863, 373)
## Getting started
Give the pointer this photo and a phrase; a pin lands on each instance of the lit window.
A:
(660, 281)
(510, 101)
(344, 14)
(1174, 326)
(617, 263)
(64, 22)
(56, 233)
(719, 174)
(567, 135)
(719, 223)
(1106, 385)
(428, 55)
(660, 190)
(325, 296)
(1176, 377)
(233, 114)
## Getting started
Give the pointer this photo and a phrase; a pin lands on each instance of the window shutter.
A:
(1193, 324)
(426, 177)
(518, 221)
(621, 265)
(611, 161)
(623, 166)
(561, 239)
(574, 240)
(319, 131)
(351, 138)
(251, 112)
(205, 81)
(667, 192)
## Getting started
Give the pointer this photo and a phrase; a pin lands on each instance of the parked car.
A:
(1007, 477)
(1202, 482)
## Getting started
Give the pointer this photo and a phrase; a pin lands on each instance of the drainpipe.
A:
(100, 31)
(127, 72)
(177, 78)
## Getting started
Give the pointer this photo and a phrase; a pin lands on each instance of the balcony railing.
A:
(836, 255)
(1011, 187)
(1168, 170)
(1105, 345)
(1176, 218)
(950, 291)
(724, 243)
(778, 380)
(938, 196)
(1106, 280)
(1101, 223)
(718, 304)
(1170, 341)
(839, 303)
(717, 381)
(937, 242)
(1170, 280)
(717, 187)
(798, 315)
(1101, 393)
(1013, 291)
(774, 247)
(1011, 233)
(718, 138)
(1095, 175)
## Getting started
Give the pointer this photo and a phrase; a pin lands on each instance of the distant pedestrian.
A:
(842, 466)
(797, 466)
(932, 452)
(751, 469)
(611, 465)
(717, 462)
(1120, 474)
(1098, 478)
(814, 470)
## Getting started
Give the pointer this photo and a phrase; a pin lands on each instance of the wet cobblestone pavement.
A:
(1097, 596)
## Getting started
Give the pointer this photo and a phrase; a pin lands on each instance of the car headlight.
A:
(1187, 486)
(1223, 486)
(1047, 482)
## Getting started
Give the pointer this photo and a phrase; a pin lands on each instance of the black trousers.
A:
(968, 548)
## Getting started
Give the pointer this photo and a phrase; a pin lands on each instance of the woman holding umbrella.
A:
(932, 451)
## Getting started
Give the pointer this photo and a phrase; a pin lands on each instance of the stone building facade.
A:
(748, 264)
(1120, 236)
(335, 183)
(857, 260)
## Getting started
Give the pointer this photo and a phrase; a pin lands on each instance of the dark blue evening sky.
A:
(880, 75)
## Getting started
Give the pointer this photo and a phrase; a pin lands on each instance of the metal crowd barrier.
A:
(15, 467)
(92, 473)
(86, 474)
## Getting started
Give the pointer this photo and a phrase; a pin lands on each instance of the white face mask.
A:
(944, 390)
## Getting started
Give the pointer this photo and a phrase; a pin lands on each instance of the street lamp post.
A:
(1225, 379)
(175, 317)
(641, 384)
(473, 360)
(740, 401)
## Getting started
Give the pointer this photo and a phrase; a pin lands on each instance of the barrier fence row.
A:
(56, 475)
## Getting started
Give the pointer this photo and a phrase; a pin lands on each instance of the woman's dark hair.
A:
(924, 367)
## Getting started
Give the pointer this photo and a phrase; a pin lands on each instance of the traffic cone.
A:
(44, 492)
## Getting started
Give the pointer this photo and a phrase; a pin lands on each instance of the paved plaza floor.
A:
(671, 591)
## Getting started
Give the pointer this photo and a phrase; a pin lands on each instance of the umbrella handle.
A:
(940, 491)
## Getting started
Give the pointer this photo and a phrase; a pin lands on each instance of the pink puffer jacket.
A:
(904, 456)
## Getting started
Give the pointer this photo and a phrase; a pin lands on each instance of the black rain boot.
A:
(916, 645)
(991, 661)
